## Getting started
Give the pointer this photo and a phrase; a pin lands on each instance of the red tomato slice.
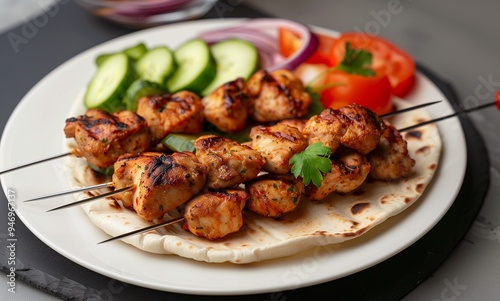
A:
(373, 92)
(289, 42)
(387, 59)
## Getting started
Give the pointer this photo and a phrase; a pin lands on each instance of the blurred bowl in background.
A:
(147, 13)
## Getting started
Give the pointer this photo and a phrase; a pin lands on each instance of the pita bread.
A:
(334, 220)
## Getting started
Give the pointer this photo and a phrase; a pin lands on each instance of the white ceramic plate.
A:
(35, 130)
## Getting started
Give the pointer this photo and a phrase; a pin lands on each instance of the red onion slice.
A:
(256, 31)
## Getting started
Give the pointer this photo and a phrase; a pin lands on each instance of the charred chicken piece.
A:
(349, 171)
(215, 214)
(161, 182)
(390, 160)
(364, 129)
(298, 123)
(228, 162)
(181, 112)
(274, 195)
(226, 107)
(277, 95)
(328, 128)
(102, 137)
(277, 144)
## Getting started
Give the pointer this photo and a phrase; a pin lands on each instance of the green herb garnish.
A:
(356, 61)
(310, 163)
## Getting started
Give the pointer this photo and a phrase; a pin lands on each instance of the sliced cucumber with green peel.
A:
(180, 142)
(106, 88)
(101, 58)
(156, 65)
(195, 67)
(140, 88)
(234, 58)
(134, 52)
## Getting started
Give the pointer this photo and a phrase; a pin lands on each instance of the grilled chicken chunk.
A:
(215, 214)
(226, 107)
(181, 112)
(274, 195)
(390, 160)
(328, 128)
(277, 144)
(102, 137)
(160, 182)
(277, 95)
(349, 171)
(228, 162)
(298, 123)
(364, 129)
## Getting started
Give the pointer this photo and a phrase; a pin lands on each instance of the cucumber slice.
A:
(106, 88)
(140, 88)
(196, 67)
(156, 65)
(234, 58)
(101, 58)
(134, 52)
(180, 142)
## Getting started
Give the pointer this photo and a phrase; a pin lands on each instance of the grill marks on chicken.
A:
(228, 162)
(227, 107)
(390, 159)
(277, 144)
(328, 128)
(364, 129)
(160, 182)
(181, 112)
(102, 137)
(274, 195)
(349, 170)
(276, 96)
(215, 214)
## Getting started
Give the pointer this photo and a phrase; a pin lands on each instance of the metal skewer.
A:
(409, 109)
(35, 162)
(69, 153)
(92, 198)
(155, 226)
(98, 186)
(448, 116)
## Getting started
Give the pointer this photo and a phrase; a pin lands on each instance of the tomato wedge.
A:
(289, 42)
(388, 59)
(373, 92)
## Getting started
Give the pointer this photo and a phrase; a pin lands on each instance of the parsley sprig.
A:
(356, 61)
(310, 163)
